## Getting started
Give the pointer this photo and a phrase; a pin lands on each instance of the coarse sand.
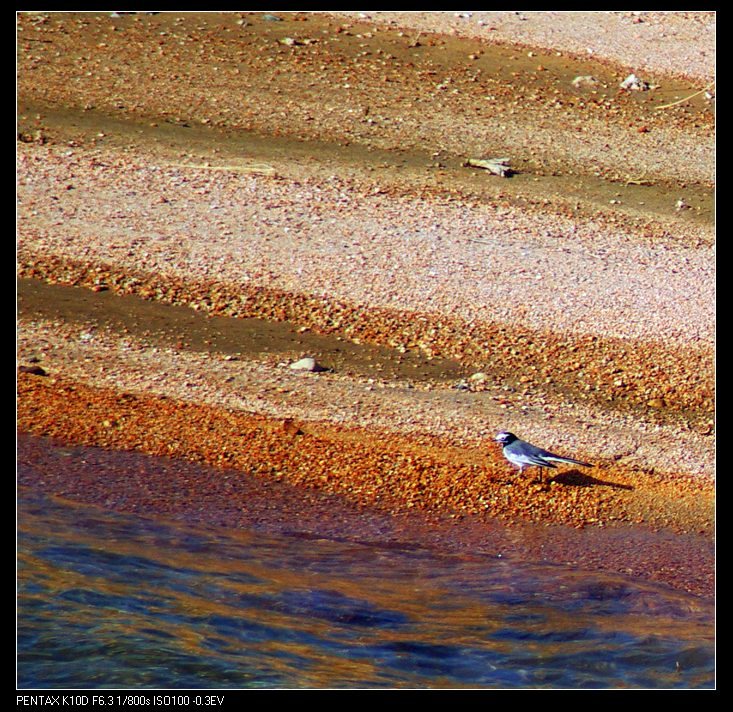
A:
(313, 171)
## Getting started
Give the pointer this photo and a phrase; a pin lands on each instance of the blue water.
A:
(107, 600)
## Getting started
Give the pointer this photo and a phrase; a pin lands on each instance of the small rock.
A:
(35, 370)
(307, 364)
(271, 18)
(497, 166)
(633, 83)
(585, 80)
(290, 427)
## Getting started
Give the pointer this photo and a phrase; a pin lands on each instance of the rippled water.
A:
(110, 600)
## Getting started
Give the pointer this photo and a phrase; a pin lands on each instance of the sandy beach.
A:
(205, 199)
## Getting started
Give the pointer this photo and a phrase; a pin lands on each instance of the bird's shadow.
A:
(576, 478)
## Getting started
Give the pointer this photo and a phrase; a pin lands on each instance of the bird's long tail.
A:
(558, 458)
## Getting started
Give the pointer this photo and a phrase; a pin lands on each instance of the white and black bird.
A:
(523, 454)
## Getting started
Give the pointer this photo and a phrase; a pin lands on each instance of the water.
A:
(117, 601)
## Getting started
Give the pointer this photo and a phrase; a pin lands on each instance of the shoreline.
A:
(418, 485)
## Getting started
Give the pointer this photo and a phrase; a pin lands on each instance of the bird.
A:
(523, 454)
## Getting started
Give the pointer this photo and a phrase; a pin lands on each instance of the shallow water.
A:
(111, 600)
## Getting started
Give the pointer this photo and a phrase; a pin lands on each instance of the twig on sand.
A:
(687, 98)
(639, 181)
(263, 168)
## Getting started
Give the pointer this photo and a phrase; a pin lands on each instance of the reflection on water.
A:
(110, 600)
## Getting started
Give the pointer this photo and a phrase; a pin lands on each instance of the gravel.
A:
(274, 390)
(677, 43)
(400, 253)
(596, 317)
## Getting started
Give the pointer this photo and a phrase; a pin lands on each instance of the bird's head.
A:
(505, 437)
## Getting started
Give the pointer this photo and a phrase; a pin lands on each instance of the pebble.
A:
(633, 83)
(33, 370)
(307, 364)
(585, 80)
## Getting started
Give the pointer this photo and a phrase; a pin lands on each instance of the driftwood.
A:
(497, 166)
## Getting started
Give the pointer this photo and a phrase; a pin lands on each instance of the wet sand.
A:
(175, 255)
(252, 499)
